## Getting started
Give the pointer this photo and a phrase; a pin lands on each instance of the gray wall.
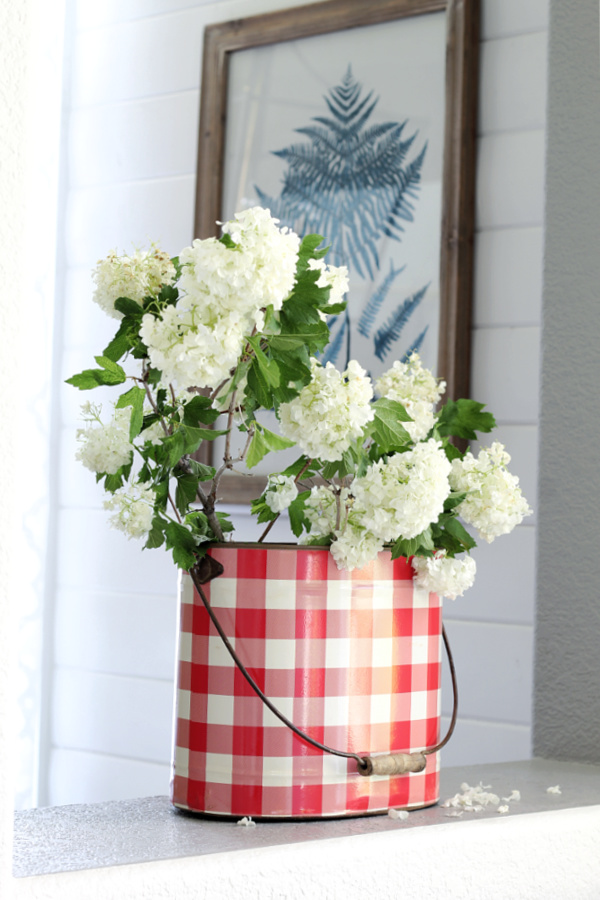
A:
(567, 668)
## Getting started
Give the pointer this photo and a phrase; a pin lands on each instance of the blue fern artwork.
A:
(357, 181)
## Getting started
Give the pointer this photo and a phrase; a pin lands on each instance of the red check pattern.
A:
(352, 658)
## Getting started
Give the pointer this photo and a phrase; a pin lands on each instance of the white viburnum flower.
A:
(325, 511)
(354, 547)
(281, 491)
(403, 494)
(104, 448)
(494, 504)
(133, 510)
(136, 277)
(330, 412)
(416, 389)
(224, 292)
(443, 575)
(335, 277)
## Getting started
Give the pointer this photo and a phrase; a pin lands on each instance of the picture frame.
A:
(273, 81)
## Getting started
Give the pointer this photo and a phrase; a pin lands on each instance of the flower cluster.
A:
(224, 292)
(416, 389)
(104, 447)
(135, 277)
(133, 510)
(494, 503)
(281, 491)
(444, 575)
(330, 412)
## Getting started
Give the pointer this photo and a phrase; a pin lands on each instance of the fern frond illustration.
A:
(350, 180)
(369, 313)
(389, 333)
(416, 346)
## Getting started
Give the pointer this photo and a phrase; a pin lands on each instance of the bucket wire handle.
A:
(388, 764)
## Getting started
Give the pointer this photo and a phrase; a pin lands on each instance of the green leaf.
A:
(308, 250)
(228, 241)
(458, 531)
(268, 367)
(257, 450)
(199, 410)
(135, 398)
(110, 374)
(183, 544)
(156, 535)
(262, 510)
(386, 429)
(298, 522)
(203, 473)
(453, 499)
(464, 418)
(185, 492)
(129, 307)
(258, 387)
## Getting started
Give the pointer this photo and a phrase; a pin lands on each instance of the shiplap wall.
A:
(130, 151)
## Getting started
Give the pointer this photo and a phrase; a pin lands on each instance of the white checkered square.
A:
(381, 709)
(183, 704)
(337, 653)
(420, 598)
(278, 594)
(339, 595)
(219, 768)
(419, 650)
(335, 770)
(223, 593)
(278, 771)
(280, 654)
(186, 588)
(182, 761)
(383, 594)
(185, 646)
(285, 705)
(218, 655)
(219, 710)
(336, 711)
(383, 651)
(418, 705)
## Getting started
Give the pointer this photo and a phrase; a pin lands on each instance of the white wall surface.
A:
(132, 113)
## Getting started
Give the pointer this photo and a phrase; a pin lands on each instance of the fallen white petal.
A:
(247, 820)
(514, 795)
(554, 790)
(502, 809)
(455, 813)
(398, 813)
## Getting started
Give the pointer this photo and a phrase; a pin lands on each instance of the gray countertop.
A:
(69, 838)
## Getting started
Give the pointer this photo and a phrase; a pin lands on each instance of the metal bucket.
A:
(353, 659)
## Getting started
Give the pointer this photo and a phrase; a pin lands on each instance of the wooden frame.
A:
(458, 179)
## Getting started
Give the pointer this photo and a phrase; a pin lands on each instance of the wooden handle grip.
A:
(393, 764)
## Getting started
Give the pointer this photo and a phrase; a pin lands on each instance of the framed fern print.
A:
(356, 121)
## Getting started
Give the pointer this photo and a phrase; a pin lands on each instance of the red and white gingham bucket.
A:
(353, 659)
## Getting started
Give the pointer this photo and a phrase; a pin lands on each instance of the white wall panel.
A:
(505, 372)
(114, 562)
(151, 138)
(502, 18)
(504, 589)
(510, 180)
(508, 277)
(112, 714)
(116, 633)
(475, 742)
(126, 216)
(79, 777)
(512, 90)
(495, 676)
